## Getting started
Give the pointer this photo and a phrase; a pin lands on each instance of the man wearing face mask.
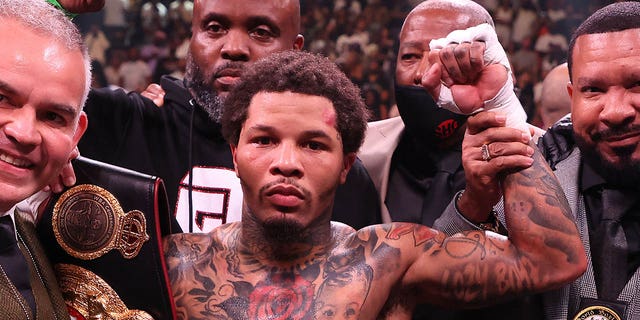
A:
(415, 159)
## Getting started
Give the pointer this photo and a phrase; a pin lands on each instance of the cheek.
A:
(250, 164)
(584, 117)
(404, 76)
(203, 52)
(58, 148)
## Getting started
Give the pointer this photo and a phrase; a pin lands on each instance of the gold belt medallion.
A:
(88, 222)
(597, 313)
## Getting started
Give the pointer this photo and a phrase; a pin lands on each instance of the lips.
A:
(14, 161)
(622, 140)
(285, 196)
(228, 77)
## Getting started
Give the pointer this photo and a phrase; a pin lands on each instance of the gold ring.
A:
(485, 152)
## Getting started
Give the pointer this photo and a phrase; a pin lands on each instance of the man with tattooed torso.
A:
(295, 123)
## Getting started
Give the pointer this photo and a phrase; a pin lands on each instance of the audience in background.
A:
(361, 35)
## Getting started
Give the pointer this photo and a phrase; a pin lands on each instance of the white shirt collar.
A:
(11, 213)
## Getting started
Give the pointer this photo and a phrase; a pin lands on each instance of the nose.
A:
(22, 127)
(619, 108)
(236, 46)
(287, 161)
(422, 68)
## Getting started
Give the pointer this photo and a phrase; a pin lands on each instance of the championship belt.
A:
(104, 238)
(595, 309)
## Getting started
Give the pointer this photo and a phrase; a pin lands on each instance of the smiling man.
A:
(181, 142)
(44, 81)
(295, 123)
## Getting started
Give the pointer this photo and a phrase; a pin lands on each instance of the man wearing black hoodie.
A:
(181, 141)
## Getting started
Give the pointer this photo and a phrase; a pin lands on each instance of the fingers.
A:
(155, 93)
(462, 62)
(476, 56)
(68, 175)
(55, 186)
(491, 151)
(74, 153)
(67, 178)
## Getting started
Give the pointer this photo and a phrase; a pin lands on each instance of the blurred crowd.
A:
(134, 42)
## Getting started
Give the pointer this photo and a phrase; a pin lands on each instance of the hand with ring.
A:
(489, 150)
(486, 156)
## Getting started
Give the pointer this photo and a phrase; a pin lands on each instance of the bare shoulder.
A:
(186, 247)
(391, 248)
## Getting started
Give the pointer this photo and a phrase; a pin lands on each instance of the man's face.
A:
(41, 121)
(419, 29)
(431, 125)
(605, 97)
(229, 34)
(290, 169)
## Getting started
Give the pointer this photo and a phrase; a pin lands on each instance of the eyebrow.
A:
(7, 88)
(66, 109)
(414, 44)
(306, 134)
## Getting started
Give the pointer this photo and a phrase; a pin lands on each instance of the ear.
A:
(570, 89)
(348, 161)
(234, 148)
(299, 42)
(83, 122)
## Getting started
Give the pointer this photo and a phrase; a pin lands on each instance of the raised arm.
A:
(543, 250)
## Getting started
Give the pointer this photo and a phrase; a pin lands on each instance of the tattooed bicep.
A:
(418, 235)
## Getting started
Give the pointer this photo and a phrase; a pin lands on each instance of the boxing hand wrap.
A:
(505, 101)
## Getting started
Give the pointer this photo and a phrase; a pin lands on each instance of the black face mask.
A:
(423, 118)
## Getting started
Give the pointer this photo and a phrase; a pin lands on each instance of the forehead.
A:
(593, 52)
(425, 25)
(285, 110)
(279, 11)
(29, 59)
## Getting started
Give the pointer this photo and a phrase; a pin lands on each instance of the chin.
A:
(621, 169)
(283, 229)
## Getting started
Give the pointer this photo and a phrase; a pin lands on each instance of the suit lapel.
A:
(382, 138)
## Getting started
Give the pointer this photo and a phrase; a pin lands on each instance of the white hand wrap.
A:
(505, 100)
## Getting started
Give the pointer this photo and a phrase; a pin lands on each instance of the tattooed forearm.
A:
(468, 282)
(540, 222)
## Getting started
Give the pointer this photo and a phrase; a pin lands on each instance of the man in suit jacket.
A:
(41, 121)
(595, 153)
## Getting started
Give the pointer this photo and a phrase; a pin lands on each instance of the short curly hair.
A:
(615, 17)
(298, 72)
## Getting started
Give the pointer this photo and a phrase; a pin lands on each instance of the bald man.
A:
(555, 102)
